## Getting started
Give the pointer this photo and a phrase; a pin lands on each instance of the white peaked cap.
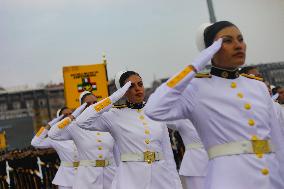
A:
(274, 97)
(199, 38)
(58, 112)
(117, 78)
(83, 94)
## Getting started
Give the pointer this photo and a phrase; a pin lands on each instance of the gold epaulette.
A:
(203, 75)
(120, 106)
(252, 77)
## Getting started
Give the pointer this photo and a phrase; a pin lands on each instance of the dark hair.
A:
(211, 31)
(275, 89)
(62, 109)
(125, 76)
(246, 69)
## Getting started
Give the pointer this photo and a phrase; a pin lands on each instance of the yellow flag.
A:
(3, 144)
(77, 79)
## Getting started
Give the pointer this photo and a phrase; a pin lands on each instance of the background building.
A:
(273, 73)
(24, 111)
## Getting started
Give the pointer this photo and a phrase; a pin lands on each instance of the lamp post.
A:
(211, 11)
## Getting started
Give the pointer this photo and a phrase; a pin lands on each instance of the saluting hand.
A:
(78, 111)
(206, 55)
(120, 92)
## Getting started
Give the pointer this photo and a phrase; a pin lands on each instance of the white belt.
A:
(241, 147)
(194, 146)
(147, 156)
(95, 163)
(69, 164)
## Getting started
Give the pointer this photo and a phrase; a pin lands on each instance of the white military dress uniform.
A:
(193, 167)
(97, 167)
(234, 119)
(67, 153)
(146, 156)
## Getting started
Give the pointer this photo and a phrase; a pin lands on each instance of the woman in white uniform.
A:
(66, 151)
(193, 167)
(233, 114)
(146, 156)
(97, 166)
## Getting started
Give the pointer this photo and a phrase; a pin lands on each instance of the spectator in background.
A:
(280, 91)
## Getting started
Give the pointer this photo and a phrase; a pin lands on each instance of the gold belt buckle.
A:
(260, 146)
(149, 157)
(76, 164)
(100, 163)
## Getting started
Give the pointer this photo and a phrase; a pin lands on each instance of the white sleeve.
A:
(277, 137)
(40, 140)
(59, 131)
(169, 158)
(94, 119)
(167, 103)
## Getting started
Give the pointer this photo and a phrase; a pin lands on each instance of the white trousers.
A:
(190, 182)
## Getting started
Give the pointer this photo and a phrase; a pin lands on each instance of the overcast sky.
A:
(155, 38)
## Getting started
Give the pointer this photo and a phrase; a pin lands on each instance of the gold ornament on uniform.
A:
(101, 163)
(62, 124)
(174, 81)
(260, 146)
(40, 131)
(102, 104)
(225, 74)
(76, 164)
(149, 157)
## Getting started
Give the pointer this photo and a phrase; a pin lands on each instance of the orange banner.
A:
(77, 79)
(3, 143)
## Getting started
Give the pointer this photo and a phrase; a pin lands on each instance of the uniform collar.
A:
(227, 74)
(135, 105)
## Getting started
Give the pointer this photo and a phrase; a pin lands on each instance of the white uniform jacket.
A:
(224, 111)
(66, 151)
(136, 133)
(91, 145)
(280, 115)
(195, 158)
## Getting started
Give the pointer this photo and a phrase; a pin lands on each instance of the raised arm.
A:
(93, 117)
(40, 140)
(60, 130)
(169, 102)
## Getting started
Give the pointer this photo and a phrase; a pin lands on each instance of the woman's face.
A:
(136, 92)
(233, 51)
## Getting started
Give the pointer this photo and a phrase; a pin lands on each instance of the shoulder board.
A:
(120, 106)
(203, 75)
(252, 77)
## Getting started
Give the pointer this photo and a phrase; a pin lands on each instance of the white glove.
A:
(120, 92)
(55, 120)
(206, 55)
(79, 110)
(274, 97)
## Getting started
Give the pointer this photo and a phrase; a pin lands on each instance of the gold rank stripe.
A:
(102, 104)
(174, 81)
(252, 77)
(62, 124)
(40, 131)
(203, 75)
